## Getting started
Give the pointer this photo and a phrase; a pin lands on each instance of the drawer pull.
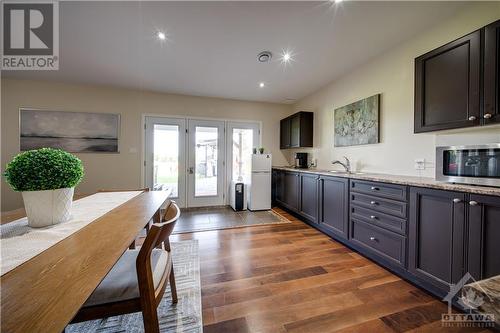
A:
(472, 118)
(473, 203)
(373, 217)
(456, 200)
(487, 116)
(373, 239)
(373, 203)
(375, 188)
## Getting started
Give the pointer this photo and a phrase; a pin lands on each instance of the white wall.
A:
(392, 75)
(121, 170)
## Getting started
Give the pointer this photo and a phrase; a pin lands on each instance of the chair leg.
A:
(173, 288)
(132, 246)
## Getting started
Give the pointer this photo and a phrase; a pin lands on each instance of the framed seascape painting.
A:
(357, 123)
(75, 132)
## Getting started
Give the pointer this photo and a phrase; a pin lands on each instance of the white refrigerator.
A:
(259, 196)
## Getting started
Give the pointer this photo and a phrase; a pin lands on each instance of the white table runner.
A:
(19, 242)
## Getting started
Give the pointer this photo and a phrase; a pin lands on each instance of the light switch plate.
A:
(420, 164)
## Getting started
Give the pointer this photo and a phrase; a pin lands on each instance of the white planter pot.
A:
(45, 208)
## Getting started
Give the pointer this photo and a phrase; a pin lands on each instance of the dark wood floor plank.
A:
(415, 317)
(238, 325)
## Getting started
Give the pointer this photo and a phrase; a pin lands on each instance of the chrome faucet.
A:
(346, 165)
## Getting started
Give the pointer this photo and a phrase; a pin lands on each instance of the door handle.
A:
(190, 170)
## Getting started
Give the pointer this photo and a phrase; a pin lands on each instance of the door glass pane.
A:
(242, 154)
(206, 161)
(166, 158)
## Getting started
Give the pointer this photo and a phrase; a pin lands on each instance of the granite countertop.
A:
(401, 180)
(486, 295)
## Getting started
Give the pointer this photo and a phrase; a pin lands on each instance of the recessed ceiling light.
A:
(262, 84)
(161, 35)
(338, 1)
(286, 57)
(264, 56)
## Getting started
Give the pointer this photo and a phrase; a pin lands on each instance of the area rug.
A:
(218, 218)
(185, 316)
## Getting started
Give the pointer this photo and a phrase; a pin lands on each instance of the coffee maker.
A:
(301, 160)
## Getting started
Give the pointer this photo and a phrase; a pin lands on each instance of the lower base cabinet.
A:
(334, 205)
(484, 236)
(447, 233)
(436, 236)
(308, 197)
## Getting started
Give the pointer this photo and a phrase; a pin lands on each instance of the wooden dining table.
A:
(44, 293)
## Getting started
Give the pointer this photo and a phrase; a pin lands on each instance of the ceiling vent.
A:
(264, 56)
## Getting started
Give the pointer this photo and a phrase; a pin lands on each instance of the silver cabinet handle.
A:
(487, 116)
(472, 118)
(373, 217)
(374, 188)
(373, 202)
(456, 200)
(373, 238)
(473, 203)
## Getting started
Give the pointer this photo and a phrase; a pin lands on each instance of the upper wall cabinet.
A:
(457, 85)
(447, 85)
(492, 73)
(296, 131)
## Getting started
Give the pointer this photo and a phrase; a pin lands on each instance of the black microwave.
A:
(474, 164)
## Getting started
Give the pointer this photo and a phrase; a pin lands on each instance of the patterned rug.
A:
(185, 316)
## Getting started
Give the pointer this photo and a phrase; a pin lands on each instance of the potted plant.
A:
(261, 150)
(46, 178)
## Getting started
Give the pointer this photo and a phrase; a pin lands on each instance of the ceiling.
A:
(211, 47)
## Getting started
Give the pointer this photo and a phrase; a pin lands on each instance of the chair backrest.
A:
(159, 232)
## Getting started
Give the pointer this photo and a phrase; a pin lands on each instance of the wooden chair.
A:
(123, 292)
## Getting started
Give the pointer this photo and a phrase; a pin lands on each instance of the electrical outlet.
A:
(420, 164)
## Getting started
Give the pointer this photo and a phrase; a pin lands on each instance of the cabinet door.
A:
(447, 85)
(334, 205)
(436, 236)
(295, 131)
(484, 236)
(291, 190)
(308, 201)
(285, 133)
(492, 73)
(279, 186)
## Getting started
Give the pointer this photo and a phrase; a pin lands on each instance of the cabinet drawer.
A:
(390, 191)
(380, 219)
(386, 206)
(382, 242)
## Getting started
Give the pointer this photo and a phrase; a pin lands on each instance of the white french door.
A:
(188, 156)
(242, 138)
(165, 156)
(205, 167)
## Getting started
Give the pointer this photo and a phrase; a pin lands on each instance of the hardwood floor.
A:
(292, 278)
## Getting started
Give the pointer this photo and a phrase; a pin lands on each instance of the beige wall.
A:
(121, 170)
(391, 74)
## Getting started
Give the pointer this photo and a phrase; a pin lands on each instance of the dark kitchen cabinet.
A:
(296, 131)
(334, 205)
(448, 84)
(291, 189)
(491, 113)
(436, 236)
(308, 200)
(285, 133)
(484, 236)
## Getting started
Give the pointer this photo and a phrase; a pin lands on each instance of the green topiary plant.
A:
(44, 169)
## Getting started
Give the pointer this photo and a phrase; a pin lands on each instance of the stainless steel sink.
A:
(345, 173)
